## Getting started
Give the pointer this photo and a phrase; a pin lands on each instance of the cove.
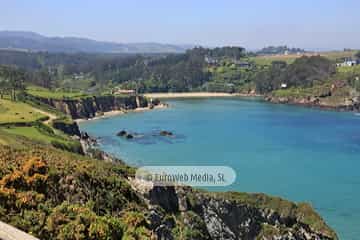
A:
(296, 153)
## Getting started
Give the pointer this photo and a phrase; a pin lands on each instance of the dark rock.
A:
(129, 136)
(122, 133)
(155, 101)
(68, 127)
(165, 197)
(163, 232)
(166, 133)
(155, 218)
(84, 135)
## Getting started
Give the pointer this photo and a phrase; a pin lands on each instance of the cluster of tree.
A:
(180, 72)
(220, 52)
(177, 72)
(304, 72)
(155, 72)
(358, 54)
(279, 50)
(11, 81)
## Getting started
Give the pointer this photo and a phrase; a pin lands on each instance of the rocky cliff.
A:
(231, 215)
(89, 107)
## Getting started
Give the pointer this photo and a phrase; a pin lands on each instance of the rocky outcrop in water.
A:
(166, 133)
(89, 107)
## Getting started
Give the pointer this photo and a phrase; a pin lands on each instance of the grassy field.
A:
(55, 94)
(19, 112)
(33, 133)
(333, 55)
(353, 69)
(14, 113)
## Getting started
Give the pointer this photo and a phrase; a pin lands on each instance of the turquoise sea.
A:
(296, 153)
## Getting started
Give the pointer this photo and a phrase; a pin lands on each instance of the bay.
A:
(296, 153)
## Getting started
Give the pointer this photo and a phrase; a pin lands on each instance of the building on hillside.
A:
(348, 62)
(283, 85)
(211, 60)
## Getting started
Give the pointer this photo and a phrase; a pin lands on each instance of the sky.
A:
(309, 24)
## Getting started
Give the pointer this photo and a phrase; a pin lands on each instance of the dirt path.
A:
(50, 115)
(8, 232)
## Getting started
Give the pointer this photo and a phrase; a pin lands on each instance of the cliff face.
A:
(88, 107)
(216, 216)
(69, 127)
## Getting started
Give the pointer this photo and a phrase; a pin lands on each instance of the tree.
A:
(357, 54)
(11, 81)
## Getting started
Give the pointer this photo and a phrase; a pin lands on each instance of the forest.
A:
(226, 69)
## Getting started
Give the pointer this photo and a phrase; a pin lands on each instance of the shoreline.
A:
(120, 112)
(197, 95)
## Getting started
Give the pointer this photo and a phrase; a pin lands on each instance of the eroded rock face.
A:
(214, 217)
(166, 197)
(88, 107)
(70, 128)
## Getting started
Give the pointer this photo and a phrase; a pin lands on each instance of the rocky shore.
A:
(231, 216)
(344, 104)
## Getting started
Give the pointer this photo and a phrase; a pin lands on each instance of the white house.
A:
(348, 63)
(211, 60)
(283, 85)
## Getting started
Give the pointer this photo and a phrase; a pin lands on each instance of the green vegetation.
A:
(54, 94)
(268, 60)
(290, 58)
(279, 50)
(231, 77)
(228, 69)
(304, 72)
(267, 231)
(35, 133)
(20, 120)
(17, 112)
(57, 195)
(11, 81)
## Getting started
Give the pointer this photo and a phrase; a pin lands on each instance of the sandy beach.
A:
(195, 95)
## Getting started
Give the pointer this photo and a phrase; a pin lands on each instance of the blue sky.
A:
(311, 24)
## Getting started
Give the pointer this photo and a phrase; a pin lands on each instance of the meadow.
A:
(332, 55)
(54, 94)
(18, 112)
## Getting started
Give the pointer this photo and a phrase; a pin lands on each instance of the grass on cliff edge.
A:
(17, 112)
(34, 133)
(54, 94)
